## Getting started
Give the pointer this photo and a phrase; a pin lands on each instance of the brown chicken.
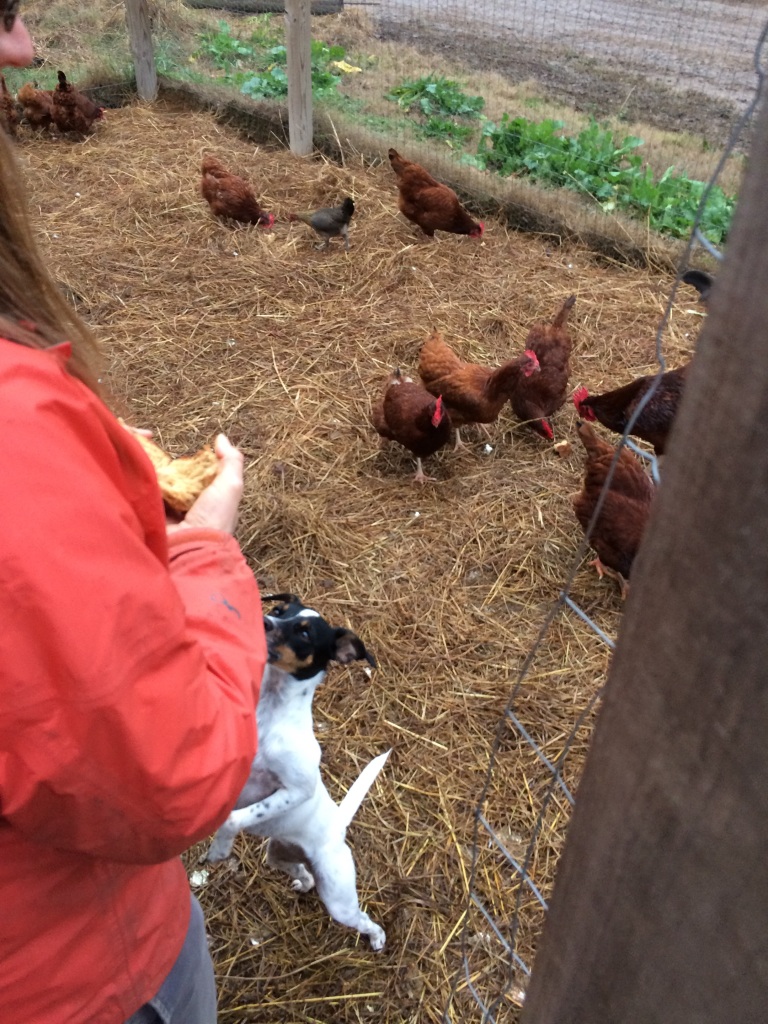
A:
(231, 197)
(614, 408)
(539, 396)
(9, 117)
(429, 204)
(623, 516)
(472, 393)
(411, 416)
(72, 110)
(36, 105)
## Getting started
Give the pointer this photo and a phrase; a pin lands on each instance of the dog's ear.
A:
(349, 647)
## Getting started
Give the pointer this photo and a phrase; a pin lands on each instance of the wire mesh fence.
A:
(491, 984)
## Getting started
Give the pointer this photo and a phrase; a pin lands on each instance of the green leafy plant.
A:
(222, 48)
(432, 95)
(611, 172)
(447, 131)
(272, 83)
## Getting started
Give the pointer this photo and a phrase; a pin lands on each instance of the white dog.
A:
(306, 829)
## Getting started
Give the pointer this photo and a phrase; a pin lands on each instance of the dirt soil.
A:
(682, 67)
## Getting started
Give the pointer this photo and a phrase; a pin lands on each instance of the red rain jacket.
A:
(130, 666)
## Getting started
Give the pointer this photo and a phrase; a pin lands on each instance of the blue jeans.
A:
(188, 994)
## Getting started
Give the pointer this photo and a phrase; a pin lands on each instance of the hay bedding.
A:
(284, 348)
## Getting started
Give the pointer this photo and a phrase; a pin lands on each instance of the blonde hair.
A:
(33, 311)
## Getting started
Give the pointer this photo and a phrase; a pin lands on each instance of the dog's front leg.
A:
(277, 803)
(222, 843)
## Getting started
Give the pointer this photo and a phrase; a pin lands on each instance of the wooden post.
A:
(660, 908)
(140, 34)
(298, 42)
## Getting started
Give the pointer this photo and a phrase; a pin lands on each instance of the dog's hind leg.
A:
(289, 858)
(336, 887)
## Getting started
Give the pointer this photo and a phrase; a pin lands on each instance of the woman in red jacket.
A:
(131, 654)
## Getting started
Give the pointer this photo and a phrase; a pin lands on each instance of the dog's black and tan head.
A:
(301, 643)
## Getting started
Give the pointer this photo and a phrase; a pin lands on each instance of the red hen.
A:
(623, 516)
(231, 197)
(614, 408)
(72, 110)
(428, 203)
(472, 393)
(411, 416)
(537, 397)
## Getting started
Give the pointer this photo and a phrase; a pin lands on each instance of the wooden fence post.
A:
(298, 42)
(660, 908)
(140, 34)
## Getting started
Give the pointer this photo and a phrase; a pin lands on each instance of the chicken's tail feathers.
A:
(62, 79)
(357, 791)
(562, 314)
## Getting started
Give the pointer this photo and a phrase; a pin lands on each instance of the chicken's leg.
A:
(603, 570)
(421, 477)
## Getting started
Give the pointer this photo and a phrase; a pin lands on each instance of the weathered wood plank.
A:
(298, 43)
(140, 35)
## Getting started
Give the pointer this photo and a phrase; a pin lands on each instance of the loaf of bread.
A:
(181, 480)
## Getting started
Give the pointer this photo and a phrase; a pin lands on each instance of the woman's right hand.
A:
(218, 505)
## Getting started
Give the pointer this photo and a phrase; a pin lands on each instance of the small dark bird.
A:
(701, 281)
(329, 222)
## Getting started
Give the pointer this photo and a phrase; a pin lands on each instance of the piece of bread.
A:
(181, 480)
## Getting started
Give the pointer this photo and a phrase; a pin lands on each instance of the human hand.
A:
(217, 506)
(138, 431)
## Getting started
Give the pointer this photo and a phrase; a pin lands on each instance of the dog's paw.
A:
(304, 882)
(378, 938)
(215, 853)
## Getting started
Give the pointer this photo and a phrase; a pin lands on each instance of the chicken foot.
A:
(604, 570)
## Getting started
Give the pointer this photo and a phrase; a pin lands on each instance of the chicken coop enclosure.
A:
(493, 635)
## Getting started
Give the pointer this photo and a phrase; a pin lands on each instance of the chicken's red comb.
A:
(437, 415)
(533, 358)
(579, 395)
(548, 431)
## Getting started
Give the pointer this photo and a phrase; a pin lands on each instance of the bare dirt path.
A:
(682, 65)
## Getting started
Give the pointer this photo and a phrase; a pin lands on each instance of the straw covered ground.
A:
(284, 348)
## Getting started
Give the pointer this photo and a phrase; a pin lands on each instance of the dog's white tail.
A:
(356, 792)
